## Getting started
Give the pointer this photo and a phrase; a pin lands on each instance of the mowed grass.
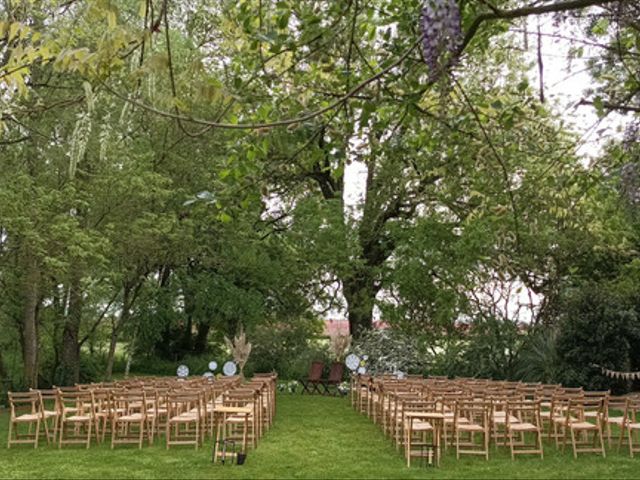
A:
(313, 437)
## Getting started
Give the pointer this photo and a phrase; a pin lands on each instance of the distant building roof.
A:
(335, 327)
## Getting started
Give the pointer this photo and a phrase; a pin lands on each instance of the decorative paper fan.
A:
(213, 365)
(362, 370)
(352, 361)
(183, 371)
(229, 369)
(208, 374)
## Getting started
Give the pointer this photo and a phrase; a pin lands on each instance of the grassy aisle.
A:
(314, 437)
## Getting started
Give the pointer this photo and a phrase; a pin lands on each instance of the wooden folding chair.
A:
(334, 379)
(26, 410)
(558, 416)
(476, 422)
(245, 427)
(527, 414)
(129, 419)
(312, 383)
(184, 418)
(579, 428)
(51, 412)
(421, 425)
(77, 418)
(614, 410)
(631, 425)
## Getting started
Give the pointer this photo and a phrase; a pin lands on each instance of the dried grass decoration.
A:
(239, 348)
(340, 345)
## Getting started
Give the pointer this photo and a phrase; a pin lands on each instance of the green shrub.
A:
(285, 347)
(599, 326)
(391, 350)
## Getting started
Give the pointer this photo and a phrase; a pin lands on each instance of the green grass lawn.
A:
(313, 437)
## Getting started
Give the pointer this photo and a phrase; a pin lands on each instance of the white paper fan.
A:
(229, 369)
(352, 361)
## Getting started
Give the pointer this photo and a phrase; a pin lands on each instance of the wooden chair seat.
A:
(133, 417)
(239, 418)
(503, 418)
(469, 427)
(582, 426)
(79, 418)
(615, 420)
(523, 427)
(184, 417)
(419, 425)
(27, 417)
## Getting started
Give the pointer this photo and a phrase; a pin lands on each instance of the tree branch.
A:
(612, 106)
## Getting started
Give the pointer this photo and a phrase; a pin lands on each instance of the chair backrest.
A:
(336, 372)
(179, 402)
(524, 411)
(476, 412)
(579, 406)
(49, 398)
(315, 371)
(632, 410)
(24, 402)
(78, 403)
(615, 406)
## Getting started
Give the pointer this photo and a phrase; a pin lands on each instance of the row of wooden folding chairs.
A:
(129, 412)
(567, 414)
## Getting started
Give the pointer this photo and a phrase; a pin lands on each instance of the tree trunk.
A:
(112, 351)
(360, 292)
(70, 360)
(30, 323)
(127, 301)
(200, 343)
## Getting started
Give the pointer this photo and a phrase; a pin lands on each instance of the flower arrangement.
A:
(289, 387)
(344, 388)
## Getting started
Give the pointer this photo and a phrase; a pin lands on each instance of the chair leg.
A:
(89, 434)
(35, 443)
(10, 433)
(513, 457)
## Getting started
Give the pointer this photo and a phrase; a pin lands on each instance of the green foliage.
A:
(390, 351)
(286, 347)
(491, 349)
(600, 326)
(538, 360)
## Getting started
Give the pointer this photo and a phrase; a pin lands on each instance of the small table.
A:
(437, 420)
(226, 411)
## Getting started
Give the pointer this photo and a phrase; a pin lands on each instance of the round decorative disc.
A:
(352, 361)
(229, 369)
(362, 370)
(183, 371)
(213, 365)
